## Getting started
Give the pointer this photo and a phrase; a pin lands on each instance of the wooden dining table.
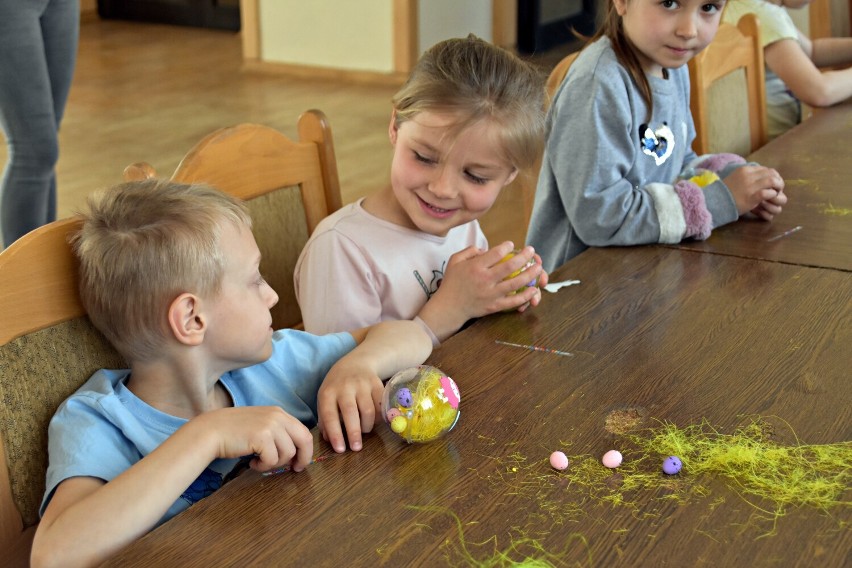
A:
(815, 228)
(660, 340)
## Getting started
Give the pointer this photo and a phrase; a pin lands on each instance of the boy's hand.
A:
(757, 189)
(353, 393)
(273, 436)
(474, 286)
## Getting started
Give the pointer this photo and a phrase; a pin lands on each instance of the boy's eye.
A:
(668, 4)
(421, 158)
(710, 8)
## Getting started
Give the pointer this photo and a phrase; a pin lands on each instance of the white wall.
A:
(444, 19)
(337, 34)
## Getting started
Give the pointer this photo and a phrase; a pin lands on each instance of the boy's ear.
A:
(186, 320)
(620, 6)
(393, 128)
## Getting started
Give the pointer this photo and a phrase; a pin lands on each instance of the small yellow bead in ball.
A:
(399, 424)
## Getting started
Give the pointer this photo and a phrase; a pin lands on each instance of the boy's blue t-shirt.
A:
(103, 428)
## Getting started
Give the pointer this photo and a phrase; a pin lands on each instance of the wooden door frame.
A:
(405, 30)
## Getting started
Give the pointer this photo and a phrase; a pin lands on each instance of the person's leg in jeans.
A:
(38, 49)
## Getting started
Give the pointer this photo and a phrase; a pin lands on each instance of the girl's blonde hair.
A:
(476, 80)
(144, 243)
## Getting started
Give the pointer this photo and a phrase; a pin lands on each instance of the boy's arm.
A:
(352, 390)
(88, 520)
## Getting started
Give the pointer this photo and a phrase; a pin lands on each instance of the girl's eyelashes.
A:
(421, 158)
(476, 179)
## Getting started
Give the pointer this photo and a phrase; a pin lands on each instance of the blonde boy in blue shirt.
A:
(169, 273)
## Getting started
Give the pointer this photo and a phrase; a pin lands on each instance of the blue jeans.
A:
(38, 50)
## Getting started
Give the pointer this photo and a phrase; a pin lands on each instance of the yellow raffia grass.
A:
(522, 551)
(839, 211)
(770, 477)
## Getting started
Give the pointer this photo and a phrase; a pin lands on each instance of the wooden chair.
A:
(529, 180)
(48, 348)
(819, 19)
(289, 188)
(719, 103)
(557, 74)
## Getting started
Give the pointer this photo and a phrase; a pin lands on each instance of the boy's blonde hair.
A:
(477, 80)
(144, 243)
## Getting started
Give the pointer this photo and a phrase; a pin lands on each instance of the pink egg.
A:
(612, 459)
(558, 460)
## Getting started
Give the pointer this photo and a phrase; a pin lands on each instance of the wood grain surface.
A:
(657, 333)
(815, 160)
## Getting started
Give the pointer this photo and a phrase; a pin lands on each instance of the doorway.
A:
(544, 24)
(218, 14)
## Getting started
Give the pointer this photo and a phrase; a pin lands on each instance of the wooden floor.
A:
(145, 92)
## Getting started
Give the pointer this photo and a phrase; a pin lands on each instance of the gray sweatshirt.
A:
(608, 175)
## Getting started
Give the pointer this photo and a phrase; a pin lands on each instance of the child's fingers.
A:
(330, 424)
(352, 424)
(300, 446)
(465, 254)
(367, 411)
(497, 253)
(267, 455)
(762, 212)
(377, 392)
(527, 278)
(780, 199)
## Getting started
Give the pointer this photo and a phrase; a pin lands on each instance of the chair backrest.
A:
(557, 75)
(289, 187)
(819, 19)
(48, 348)
(529, 179)
(728, 94)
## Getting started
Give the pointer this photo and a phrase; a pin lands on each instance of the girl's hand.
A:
(475, 285)
(352, 394)
(767, 210)
(751, 186)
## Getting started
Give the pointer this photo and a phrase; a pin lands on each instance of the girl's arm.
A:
(828, 51)
(352, 390)
(790, 61)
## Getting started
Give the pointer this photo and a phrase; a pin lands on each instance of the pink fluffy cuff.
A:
(716, 162)
(699, 221)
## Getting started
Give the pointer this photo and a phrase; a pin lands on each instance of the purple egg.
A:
(671, 465)
(403, 397)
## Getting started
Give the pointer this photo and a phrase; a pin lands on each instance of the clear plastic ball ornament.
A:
(421, 403)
